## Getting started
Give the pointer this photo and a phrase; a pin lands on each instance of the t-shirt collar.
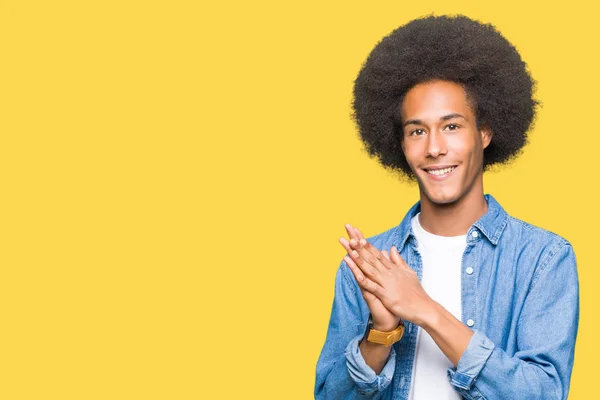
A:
(491, 224)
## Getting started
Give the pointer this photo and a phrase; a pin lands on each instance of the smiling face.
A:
(441, 142)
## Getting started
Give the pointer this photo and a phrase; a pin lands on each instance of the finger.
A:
(373, 256)
(371, 287)
(357, 272)
(397, 258)
(355, 244)
(354, 237)
(356, 257)
(363, 281)
(351, 232)
(386, 254)
(359, 233)
(368, 296)
(366, 268)
(345, 244)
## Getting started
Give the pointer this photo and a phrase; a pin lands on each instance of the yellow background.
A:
(175, 177)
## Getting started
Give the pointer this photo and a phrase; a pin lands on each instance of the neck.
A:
(453, 219)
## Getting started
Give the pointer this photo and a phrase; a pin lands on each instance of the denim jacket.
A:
(520, 296)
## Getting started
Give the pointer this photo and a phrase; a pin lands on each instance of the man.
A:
(460, 300)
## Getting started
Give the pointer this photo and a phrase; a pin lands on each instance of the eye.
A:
(416, 132)
(451, 127)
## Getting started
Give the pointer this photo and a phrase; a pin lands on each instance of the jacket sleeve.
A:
(341, 370)
(546, 333)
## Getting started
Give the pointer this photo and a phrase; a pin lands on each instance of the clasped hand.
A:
(391, 289)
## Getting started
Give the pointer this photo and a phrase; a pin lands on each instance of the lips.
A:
(440, 171)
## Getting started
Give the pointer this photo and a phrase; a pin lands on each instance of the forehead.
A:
(431, 100)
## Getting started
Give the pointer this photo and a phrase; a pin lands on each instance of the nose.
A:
(436, 144)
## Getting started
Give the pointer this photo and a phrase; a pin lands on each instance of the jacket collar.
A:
(491, 224)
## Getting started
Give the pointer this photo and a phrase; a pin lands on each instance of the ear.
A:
(486, 135)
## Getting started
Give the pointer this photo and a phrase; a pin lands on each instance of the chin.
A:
(444, 201)
(442, 198)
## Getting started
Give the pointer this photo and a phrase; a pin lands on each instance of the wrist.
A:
(364, 344)
(386, 338)
(386, 327)
(430, 317)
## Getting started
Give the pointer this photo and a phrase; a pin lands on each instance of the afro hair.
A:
(451, 48)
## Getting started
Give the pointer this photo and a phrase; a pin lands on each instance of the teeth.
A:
(440, 171)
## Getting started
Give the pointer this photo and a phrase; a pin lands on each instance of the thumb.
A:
(396, 258)
(386, 254)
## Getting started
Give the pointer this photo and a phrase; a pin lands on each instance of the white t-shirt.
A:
(441, 258)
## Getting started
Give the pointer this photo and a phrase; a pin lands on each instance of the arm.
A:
(450, 334)
(398, 288)
(547, 329)
(375, 355)
(341, 370)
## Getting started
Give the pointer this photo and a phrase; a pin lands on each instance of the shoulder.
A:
(531, 235)
(535, 246)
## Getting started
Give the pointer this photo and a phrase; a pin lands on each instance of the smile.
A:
(440, 172)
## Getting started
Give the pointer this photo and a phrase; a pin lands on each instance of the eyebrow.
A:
(444, 118)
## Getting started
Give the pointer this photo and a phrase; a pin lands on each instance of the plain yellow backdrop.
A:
(175, 177)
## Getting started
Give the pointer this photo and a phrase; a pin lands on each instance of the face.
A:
(441, 142)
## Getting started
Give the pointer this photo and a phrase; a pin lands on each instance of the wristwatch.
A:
(385, 338)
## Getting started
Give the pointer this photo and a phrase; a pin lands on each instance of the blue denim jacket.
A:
(520, 296)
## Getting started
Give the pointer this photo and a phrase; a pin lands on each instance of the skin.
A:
(439, 130)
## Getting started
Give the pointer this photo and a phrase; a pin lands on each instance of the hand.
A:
(383, 319)
(391, 281)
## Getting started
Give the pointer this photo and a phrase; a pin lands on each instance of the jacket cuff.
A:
(472, 362)
(366, 379)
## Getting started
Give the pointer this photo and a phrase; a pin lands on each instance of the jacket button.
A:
(469, 270)
(470, 322)
(474, 234)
